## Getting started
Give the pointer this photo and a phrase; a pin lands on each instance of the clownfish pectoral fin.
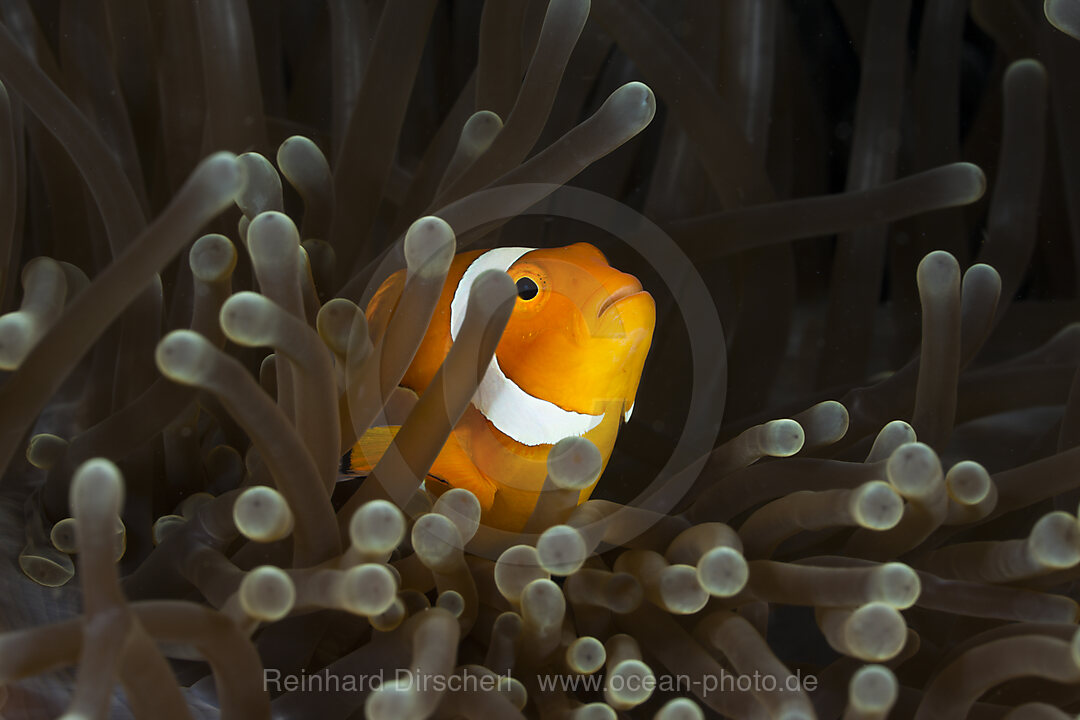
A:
(368, 450)
(371, 447)
(452, 468)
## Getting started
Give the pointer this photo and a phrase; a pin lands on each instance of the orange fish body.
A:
(568, 363)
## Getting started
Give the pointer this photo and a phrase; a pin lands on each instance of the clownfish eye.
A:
(527, 288)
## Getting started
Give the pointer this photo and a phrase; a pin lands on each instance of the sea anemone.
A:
(850, 484)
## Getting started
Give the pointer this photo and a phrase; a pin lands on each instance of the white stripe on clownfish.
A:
(523, 417)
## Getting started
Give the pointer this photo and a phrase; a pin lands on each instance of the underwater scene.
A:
(485, 359)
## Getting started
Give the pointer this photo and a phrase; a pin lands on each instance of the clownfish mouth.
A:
(626, 291)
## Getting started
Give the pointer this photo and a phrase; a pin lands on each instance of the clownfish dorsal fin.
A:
(452, 468)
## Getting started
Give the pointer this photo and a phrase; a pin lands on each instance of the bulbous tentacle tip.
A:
(723, 572)
(16, 337)
(212, 258)
(637, 100)
(897, 584)
(462, 508)
(377, 527)
(574, 463)
(682, 708)
(267, 593)
(262, 514)
(271, 234)
(97, 487)
(914, 469)
(293, 142)
(482, 124)
(47, 566)
(222, 172)
(974, 180)
(1064, 15)
(1028, 69)
(938, 272)
(247, 318)
(261, 189)
(429, 246)
(561, 550)
(783, 438)
(492, 295)
(873, 689)
(184, 356)
(369, 589)
(877, 505)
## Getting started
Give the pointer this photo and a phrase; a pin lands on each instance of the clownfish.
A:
(568, 364)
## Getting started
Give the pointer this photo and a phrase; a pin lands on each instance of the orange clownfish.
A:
(568, 364)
